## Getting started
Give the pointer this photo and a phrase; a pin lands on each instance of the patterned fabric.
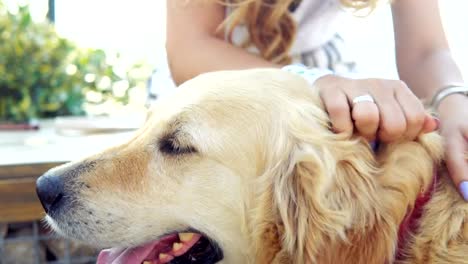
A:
(332, 55)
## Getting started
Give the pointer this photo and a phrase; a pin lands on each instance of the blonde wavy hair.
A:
(270, 25)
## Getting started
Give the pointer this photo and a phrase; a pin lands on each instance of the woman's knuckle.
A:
(395, 128)
(336, 109)
(416, 118)
(374, 82)
(367, 116)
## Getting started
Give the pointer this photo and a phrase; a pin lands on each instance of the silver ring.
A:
(363, 98)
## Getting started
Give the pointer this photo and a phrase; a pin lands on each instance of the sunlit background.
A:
(136, 29)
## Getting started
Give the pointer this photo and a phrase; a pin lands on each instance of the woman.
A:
(254, 33)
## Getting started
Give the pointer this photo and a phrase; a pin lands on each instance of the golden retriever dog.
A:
(241, 167)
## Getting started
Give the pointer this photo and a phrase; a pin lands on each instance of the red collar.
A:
(411, 221)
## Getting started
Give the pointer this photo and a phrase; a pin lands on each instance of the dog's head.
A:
(235, 166)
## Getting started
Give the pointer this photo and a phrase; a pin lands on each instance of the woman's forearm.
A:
(207, 53)
(423, 56)
(427, 74)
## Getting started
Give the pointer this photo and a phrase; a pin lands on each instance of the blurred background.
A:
(131, 36)
(89, 58)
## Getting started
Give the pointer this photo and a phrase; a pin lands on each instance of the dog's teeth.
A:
(186, 237)
(177, 246)
(163, 256)
(147, 262)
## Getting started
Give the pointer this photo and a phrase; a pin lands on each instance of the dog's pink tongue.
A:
(138, 254)
(125, 256)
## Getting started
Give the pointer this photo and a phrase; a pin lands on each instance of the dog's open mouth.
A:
(175, 248)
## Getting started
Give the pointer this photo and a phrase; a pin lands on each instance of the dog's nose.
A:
(49, 188)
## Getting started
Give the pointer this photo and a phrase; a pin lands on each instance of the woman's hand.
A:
(398, 113)
(453, 112)
(395, 113)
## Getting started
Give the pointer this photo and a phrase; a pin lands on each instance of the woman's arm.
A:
(425, 64)
(423, 56)
(193, 47)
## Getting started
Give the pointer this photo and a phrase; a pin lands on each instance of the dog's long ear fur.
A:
(324, 194)
(324, 190)
(294, 203)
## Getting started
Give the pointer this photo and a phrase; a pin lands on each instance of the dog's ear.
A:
(319, 193)
(301, 193)
(295, 215)
(323, 199)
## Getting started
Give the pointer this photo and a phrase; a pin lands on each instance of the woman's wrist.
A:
(446, 92)
(451, 104)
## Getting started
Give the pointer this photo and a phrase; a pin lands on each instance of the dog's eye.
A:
(172, 146)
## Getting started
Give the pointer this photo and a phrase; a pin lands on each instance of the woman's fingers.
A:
(382, 119)
(454, 129)
(392, 120)
(412, 109)
(457, 163)
(395, 113)
(430, 124)
(366, 119)
(336, 105)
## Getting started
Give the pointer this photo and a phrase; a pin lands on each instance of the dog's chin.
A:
(49, 222)
(176, 248)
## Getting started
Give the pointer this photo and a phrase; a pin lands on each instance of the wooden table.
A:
(25, 155)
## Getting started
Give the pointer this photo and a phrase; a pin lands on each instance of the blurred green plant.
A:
(45, 75)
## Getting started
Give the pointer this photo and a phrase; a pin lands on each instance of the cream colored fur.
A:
(269, 181)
